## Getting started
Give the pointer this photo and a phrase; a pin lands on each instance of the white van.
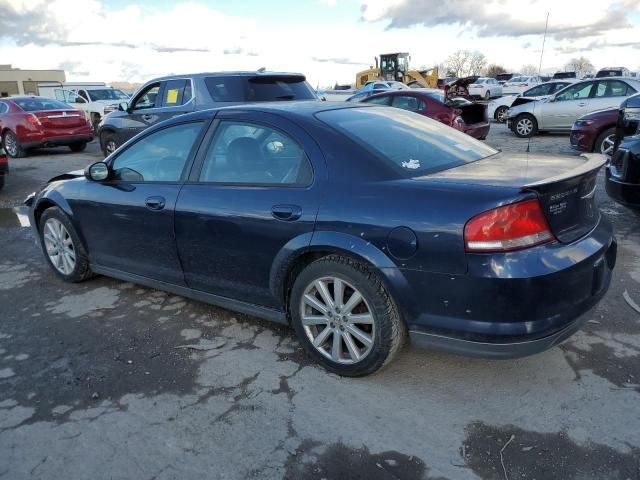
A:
(97, 99)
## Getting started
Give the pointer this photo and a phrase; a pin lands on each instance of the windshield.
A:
(259, 89)
(40, 104)
(410, 143)
(107, 94)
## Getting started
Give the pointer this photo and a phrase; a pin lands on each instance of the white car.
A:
(485, 87)
(517, 85)
(497, 109)
(560, 111)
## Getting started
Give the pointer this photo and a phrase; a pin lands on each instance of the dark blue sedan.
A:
(356, 224)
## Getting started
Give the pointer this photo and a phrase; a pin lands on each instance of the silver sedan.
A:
(560, 111)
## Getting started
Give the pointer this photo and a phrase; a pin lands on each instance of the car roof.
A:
(239, 73)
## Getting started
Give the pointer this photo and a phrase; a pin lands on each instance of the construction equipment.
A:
(395, 67)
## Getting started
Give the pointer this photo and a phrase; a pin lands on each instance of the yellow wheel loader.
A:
(395, 67)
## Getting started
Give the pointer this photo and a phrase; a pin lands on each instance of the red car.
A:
(595, 132)
(468, 117)
(32, 122)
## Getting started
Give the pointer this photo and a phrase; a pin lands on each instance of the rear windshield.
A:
(564, 75)
(410, 143)
(39, 104)
(609, 73)
(259, 89)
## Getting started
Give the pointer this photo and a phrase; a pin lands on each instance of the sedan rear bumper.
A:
(478, 130)
(58, 141)
(514, 304)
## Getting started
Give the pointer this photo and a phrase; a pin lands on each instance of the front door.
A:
(128, 221)
(155, 103)
(566, 107)
(254, 194)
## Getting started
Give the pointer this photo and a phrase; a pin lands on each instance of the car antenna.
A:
(544, 40)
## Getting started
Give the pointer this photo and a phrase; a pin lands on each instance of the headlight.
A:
(632, 114)
(583, 123)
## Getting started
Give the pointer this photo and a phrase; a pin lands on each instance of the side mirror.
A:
(97, 172)
(123, 107)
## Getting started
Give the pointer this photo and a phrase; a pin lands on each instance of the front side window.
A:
(575, 92)
(408, 103)
(159, 157)
(411, 144)
(147, 99)
(248, 153)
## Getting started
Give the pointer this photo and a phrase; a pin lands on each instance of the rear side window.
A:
(254, 154)
(259, 89)
(176, 93)
(613, 88)
(40, 104)
(384, 100)
(411, 144)
(159, 157)
(4, 108)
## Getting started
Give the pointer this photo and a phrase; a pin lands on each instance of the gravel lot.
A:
(108, 380)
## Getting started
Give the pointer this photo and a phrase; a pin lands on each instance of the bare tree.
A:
(582, 66)
(494, 69)
(464, 63)
(529, 69)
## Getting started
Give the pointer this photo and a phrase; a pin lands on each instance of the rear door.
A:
(609, 94)
(561, 112)
(254, 193)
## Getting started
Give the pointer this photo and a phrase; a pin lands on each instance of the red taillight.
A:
(33, 120)
(512, 227)
(3, 158)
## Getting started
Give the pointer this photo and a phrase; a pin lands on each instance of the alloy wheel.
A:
(337, 320)
(11, 144)
(110, 146)
(606, 147)
(501, 114)
(59, 246)
(524, 126)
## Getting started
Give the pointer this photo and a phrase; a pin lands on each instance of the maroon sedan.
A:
(32, 122)
(595, 132)
(468, 117)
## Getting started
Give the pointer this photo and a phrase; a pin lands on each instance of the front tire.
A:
(62, 247)
(78, 147)
(345, 318)
(525, 125)
(487, 95)
(501, 114)
(108, 143)
(12, 146)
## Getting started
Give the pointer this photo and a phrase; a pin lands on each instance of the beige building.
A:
(14, 81)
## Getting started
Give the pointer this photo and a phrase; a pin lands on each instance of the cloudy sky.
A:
(328, 40)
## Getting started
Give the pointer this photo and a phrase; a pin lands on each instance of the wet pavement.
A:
(109, 380)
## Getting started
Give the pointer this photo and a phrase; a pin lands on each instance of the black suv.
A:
(166, 97)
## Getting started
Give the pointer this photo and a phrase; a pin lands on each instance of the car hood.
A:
(525, 102)
(463, 82)
(610, 113)
(514, 170)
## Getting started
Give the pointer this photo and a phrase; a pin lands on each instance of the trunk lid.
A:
(565, 186)
(61, 118)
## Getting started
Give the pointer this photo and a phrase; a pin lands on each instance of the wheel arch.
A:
(54, 199)
(304, 250)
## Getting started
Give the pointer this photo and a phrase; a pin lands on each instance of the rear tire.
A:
(11, 145)
(500, 114)
(62, 247)
(108, 143)
(78, 147)
(353, 337)
(605, 141)
(525, 126)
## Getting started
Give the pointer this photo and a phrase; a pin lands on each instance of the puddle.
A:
(16, 217)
